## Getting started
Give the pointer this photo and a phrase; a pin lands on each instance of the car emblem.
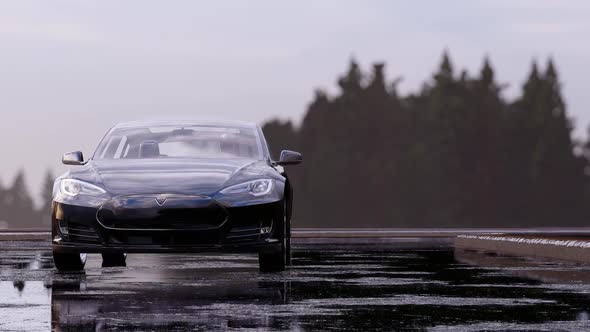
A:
(161, 199)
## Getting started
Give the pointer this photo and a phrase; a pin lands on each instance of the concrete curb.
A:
(572, 250)
(25, 236)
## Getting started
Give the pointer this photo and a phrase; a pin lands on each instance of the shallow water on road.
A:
(421, 286)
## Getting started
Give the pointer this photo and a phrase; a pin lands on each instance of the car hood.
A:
(126, 177)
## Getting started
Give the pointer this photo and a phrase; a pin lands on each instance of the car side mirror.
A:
(289, 157)
(73, 158)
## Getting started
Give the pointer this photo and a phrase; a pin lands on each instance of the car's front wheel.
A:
(69, 261)
(276, 261)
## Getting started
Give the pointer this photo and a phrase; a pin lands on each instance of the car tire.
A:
(69, 261)
(271, 262)
(114, 259)
(288, 248)
(277, 260)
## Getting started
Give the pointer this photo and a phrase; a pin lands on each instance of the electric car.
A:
(174, 186)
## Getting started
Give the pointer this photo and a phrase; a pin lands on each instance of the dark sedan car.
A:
(174, 187)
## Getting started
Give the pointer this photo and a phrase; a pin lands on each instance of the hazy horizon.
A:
(71, 69)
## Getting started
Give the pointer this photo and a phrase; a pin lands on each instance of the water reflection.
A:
(26, 260)
(24, 306)
(19, 285)
(77, 306)
(329, 288)
(546, 271)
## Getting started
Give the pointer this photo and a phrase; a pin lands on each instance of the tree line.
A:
(17, 207)
(454, 153)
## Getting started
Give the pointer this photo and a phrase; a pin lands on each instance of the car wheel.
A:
(287, 243)
(276, 261)
(69, 261)
(271, 262)
(114, 259)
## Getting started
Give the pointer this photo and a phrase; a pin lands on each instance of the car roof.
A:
(188, 123)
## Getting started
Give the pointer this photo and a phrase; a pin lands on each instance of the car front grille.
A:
(82, 233)
(175, 213)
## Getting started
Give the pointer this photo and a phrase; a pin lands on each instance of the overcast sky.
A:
(71, 69)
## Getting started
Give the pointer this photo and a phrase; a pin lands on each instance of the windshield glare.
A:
(180, 142)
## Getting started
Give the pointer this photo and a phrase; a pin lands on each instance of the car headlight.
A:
(255, 188)
(73, 188)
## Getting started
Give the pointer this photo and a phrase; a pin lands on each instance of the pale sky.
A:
(71, 69)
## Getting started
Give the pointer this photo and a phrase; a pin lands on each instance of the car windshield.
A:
(180, 142)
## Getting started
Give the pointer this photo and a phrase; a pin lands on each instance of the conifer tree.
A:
(280, 135)
(484, 141)
(552, 174)
(446, 110)
(21, 210)
(46, 199)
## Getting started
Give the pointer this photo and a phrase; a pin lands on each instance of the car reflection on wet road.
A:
(407, 285)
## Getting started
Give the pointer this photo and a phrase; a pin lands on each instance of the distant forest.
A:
(17, 207)
(456, 153)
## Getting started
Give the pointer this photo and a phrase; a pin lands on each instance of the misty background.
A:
(71, 69)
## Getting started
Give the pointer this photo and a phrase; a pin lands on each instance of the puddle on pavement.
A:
(25, 306)
(355, 288)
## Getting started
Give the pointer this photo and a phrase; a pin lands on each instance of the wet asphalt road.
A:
(406, 285)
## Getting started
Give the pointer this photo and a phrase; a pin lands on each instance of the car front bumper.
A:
(178, 228)
(270, 245)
